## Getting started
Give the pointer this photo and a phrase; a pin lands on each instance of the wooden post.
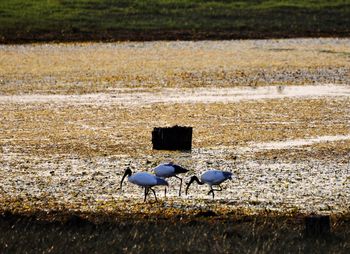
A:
(317, 226)
(172, 138)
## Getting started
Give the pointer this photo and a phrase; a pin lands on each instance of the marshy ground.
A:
(274, 112)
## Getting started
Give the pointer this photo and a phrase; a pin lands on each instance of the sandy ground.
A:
(274, 112)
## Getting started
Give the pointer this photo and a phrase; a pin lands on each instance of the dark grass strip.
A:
(109, 20)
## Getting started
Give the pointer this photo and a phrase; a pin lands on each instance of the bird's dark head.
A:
(192, 179)
(128, 173)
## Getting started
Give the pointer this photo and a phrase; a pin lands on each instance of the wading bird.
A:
(170, 170)
(211, 177)
(144, 180)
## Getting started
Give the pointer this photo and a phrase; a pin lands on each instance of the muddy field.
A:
(274, 112)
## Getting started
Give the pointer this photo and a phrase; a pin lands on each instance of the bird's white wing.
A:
(164, 170)
(143, 179)
(213, 177)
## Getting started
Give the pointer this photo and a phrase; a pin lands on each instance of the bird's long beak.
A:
(127, 173)
(188, 185)
(121, 182)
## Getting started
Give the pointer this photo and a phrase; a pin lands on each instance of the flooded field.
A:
(276, 113)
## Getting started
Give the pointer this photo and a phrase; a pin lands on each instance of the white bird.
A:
(170, 170)
(211, 177)
(145, 180)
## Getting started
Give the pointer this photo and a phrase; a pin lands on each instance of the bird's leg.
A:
(180, 184)
(153, 193)
(146, 193)
(211, 191)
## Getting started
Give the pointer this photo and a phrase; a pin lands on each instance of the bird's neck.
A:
(195, 179)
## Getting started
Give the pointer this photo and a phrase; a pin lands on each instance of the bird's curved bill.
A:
(121, 182)
(187, 186)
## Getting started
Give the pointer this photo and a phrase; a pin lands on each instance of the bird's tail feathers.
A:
(161, 181)
(228, 175)
(179, 169)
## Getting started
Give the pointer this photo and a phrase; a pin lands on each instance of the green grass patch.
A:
(105, 19)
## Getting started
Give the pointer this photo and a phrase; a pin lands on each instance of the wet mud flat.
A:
(287, 147)
(74, 116)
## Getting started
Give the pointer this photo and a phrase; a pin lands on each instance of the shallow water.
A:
(286, 144)
(132, 97)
